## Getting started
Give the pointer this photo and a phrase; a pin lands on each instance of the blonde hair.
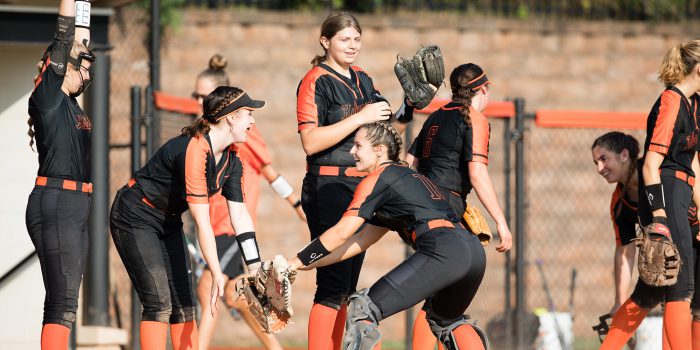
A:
(679, 61)
(382, 133)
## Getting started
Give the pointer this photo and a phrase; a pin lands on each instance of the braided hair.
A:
(214, 103)
(382, 133)
(461, 92)
(616, 141)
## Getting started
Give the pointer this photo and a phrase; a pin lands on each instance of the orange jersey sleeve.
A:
(218, 213)
(196, 158)
(665, 122)
(480, 137)
(308, 103)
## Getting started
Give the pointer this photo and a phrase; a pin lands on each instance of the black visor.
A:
(242, 101)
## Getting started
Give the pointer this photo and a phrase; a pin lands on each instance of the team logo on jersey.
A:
(83, 123)
(691, 141)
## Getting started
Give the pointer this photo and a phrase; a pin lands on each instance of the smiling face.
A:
(610, 165)
(367, 157)
(343, 47)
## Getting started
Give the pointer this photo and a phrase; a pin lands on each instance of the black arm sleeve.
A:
(59, 51)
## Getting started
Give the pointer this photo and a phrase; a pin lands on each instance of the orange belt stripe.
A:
(432, 224)
(327, 170)
(63, 183)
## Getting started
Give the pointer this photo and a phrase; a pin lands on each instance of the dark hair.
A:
(216, 72)
(335, 22)
(461, 92)
(679, 61)
(382, 133)
(216, 101)
(616, 141)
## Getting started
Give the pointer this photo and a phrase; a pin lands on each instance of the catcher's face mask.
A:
(82, 68)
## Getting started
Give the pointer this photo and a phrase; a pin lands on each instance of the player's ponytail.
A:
(382, 133)
(462, 81)
(617, 142)
(335, 22)
(679, 62)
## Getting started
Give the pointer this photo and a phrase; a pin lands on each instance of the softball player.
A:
(256, 160)
(448, 264)
(668, 171)
(146, 219)
(452, 151)
(333, 100)
(58, 207)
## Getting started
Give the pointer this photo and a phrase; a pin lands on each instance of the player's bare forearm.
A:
(481, 181)
(240, 218)
(205, 236)
(355, 245)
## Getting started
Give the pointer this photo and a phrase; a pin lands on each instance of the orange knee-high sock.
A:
(696, 335)
(184, 336)
(339, 328)
(467, 338)
(626, 320)
(677, 324)
(321, 324)
(423, 337)
(54, 337)
(153, 335)
(664, 339)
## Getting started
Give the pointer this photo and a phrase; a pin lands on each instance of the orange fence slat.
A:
(172, 103)
(496, 109)
(590, 119)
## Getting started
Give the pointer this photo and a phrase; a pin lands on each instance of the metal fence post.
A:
(96, 280)
(508, 309)
(520, 277)
(135, 165)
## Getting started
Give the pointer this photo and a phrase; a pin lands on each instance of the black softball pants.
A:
(324, 200)
(56, 219)
(447, 267)
(152, 247)
(678, 194)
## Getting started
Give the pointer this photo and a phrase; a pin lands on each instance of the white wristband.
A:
(82, 14)
(282, 187)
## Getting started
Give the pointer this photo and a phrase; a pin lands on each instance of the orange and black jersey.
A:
(672, 130)
(446, 144)
(399, 198)
(623, 212)
(62, 130)
(325, 97)
(184, 171)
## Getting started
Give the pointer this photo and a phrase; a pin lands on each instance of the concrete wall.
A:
(22, 296)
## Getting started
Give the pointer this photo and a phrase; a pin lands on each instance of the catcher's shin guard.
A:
(446, 334)
(361, 325)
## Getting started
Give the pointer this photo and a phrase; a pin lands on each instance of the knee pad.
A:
(362, 322)
(443, 331)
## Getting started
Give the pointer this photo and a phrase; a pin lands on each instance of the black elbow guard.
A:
(65, 29)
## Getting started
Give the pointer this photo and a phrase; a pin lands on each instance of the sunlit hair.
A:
(679, 61)
(334, 23)
(214, 103)
(216, 72)
(382, 133)
(616, 142)
(461, 93)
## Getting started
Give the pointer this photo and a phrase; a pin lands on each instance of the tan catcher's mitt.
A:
(421, 75)
(659, 261)
(269, 294)
(477, 224)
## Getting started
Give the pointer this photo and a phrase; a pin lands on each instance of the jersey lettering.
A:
(429, 140)
(434, 191)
